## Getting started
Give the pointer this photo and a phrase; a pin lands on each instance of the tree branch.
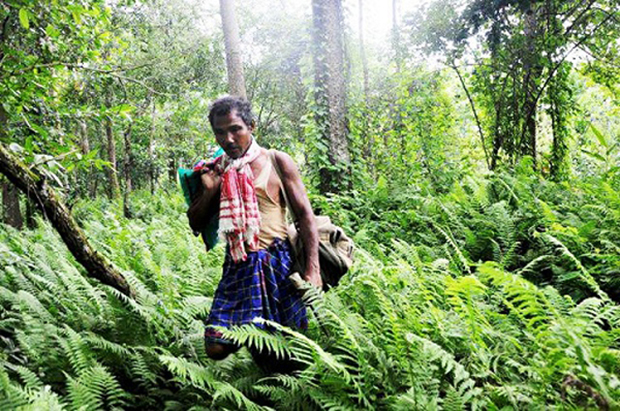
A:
(557, 66)
(111, 73)
(473, 109)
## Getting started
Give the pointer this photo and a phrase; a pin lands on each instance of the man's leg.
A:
(218, 351)
(270, 363)
(218, 348)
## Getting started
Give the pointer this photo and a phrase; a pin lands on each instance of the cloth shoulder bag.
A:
(335, 247)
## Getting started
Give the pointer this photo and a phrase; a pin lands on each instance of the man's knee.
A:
(218, 351)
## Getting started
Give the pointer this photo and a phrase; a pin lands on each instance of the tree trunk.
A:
(84, 142)
(331, 90)
(87, 174)
(560, 99)
(12, 214)
(30, 221)
(532, 73)
(47, 201)
(128, 167)
(234, 62)
(172, 169)
(396, 37)
(113, 186)
(151, 151)
(367, 135)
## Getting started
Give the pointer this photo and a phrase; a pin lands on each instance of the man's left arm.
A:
(299, 202)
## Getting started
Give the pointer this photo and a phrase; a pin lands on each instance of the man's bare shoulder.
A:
(285, 162)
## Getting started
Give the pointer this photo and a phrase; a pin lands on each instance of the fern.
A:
(585, 275)
(95, 388)
(460, 257)
(186, 371)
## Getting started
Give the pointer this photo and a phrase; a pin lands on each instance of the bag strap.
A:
(274, 162)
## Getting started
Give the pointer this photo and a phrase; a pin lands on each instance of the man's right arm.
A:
(203, 207)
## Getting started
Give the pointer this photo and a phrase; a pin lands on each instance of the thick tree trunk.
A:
(234, 62)
(44, 197)
(113, 186)
(12, 214)
(532, 73)
(331, 89)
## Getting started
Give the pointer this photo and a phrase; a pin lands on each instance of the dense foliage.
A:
(504, 296)
(480, 184)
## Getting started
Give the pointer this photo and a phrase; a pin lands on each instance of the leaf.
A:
(122, 109)
(23, 18)
(594, 155)
(52, 31)
(76, 17)
(599, 136)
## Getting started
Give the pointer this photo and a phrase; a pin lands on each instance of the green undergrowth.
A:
(495, 295)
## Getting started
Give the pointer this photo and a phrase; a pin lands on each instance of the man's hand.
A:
(210, 179)
(203, 204)
(313, 276)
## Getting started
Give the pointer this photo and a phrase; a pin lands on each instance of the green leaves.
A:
(24, 20)
(599, 136)
(52, 31)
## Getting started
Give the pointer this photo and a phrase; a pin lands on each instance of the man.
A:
(252, 212)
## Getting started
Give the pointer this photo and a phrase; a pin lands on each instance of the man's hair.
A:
(224, 105)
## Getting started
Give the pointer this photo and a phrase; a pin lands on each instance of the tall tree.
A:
(330, 92)
(520, 63)
(113, 184)
(234, 61)
(396, 46)
(366, 136)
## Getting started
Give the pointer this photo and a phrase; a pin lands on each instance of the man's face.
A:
(232, 134)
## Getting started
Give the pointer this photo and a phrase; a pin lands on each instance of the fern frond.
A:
(189, 372)
(263, 341)
(461, 379)
(31, 380)
(226, 391)
(522, 297)
(329, 401)
(461, 257)
(462, 293)
(95, 388)
(141, 371)
(303, 343)
(585, 275)
(12, 395)
(529, 267)
(77, 351)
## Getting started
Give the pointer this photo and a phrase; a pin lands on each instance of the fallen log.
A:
(34, 185)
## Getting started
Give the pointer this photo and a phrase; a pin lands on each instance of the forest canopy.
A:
(470, 148)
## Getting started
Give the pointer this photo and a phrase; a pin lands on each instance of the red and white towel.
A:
(239, 215)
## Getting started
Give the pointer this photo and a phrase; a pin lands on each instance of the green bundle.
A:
(190, 184)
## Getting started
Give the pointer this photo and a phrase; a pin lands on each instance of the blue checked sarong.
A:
(258, 287)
